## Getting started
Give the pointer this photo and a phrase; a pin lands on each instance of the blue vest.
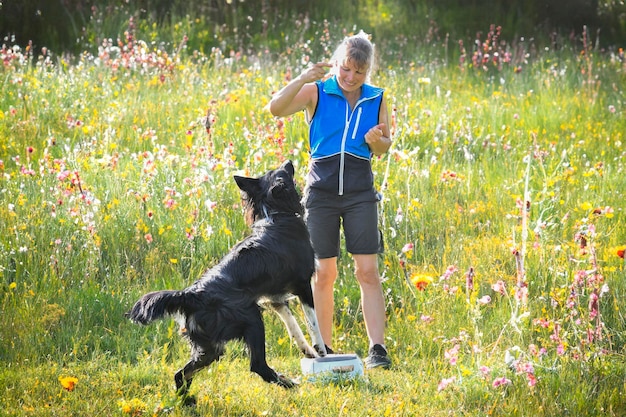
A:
(340, 157)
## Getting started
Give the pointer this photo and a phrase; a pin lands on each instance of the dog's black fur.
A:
(276, 260)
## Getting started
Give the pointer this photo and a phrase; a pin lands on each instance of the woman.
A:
(348, 123)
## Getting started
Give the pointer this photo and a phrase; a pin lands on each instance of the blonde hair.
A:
(357, 49)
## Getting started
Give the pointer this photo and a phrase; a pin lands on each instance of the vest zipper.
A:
(342, 156)
(356, 124)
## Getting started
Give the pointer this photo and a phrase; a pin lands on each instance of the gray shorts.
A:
(326, 213)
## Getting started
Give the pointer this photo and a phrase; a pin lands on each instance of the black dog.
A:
(273, 263)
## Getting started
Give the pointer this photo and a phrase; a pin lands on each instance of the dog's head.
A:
(275, 192)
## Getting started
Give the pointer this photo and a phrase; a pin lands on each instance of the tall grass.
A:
(503, 217)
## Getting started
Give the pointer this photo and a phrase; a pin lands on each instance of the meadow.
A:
(503, 219)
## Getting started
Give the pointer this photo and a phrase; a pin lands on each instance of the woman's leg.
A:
(323, 297)
(372, 298)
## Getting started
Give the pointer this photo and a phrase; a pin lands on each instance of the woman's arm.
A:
(300, 93)
(378, 138)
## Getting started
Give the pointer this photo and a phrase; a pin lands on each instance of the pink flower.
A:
(499, 287)
(469, 280)
(148, 237)
(485, 371)
(426, 319)
(443, 384)
(593, 304)
(407, 248)
(452, 354)
(449, 271)
(501, 381)
(170, 203)
(210, 205)
(484, 300)
(63, 175)
(532, 380)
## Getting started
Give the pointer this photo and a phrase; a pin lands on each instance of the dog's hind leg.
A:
(200, 358)
(283, 311)
(254, 337)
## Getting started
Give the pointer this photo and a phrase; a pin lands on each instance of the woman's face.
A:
(350, 77)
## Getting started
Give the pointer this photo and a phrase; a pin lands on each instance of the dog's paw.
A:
(321, 350)
(310, 352)
(285, 382)
(188, 401)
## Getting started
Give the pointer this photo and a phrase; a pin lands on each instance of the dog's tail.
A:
(155, 305)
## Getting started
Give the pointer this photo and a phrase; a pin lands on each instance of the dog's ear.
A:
(288, 166)
(250, 185)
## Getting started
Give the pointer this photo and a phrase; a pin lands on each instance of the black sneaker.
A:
(377, 358)
(329, 351)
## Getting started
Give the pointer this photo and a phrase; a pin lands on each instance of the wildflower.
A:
(210, 205)
(443, 384)
(485, 371)
(407, 248)
(484, 300)
(169, 203)
(12, 285)
(399, 215)
(68, 382)
(604, 290)
(133, 407)
(148, 237)
(426, 319)
(450, 290)
(449, 272)
(449, 176)
(499, 287)
(612, 108)
(620, 251)
(421, 281)
(498, 382)
(452, 355)
(63, 175)
(521, 294)
(469, 280)
(593, 305)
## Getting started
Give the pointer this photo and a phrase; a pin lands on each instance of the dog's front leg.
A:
(314, 329)
(295, 333)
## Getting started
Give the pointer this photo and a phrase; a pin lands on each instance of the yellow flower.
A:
(68, 382)
(421, 281)
(133, 407)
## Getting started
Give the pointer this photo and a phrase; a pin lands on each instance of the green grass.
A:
(111, 187)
